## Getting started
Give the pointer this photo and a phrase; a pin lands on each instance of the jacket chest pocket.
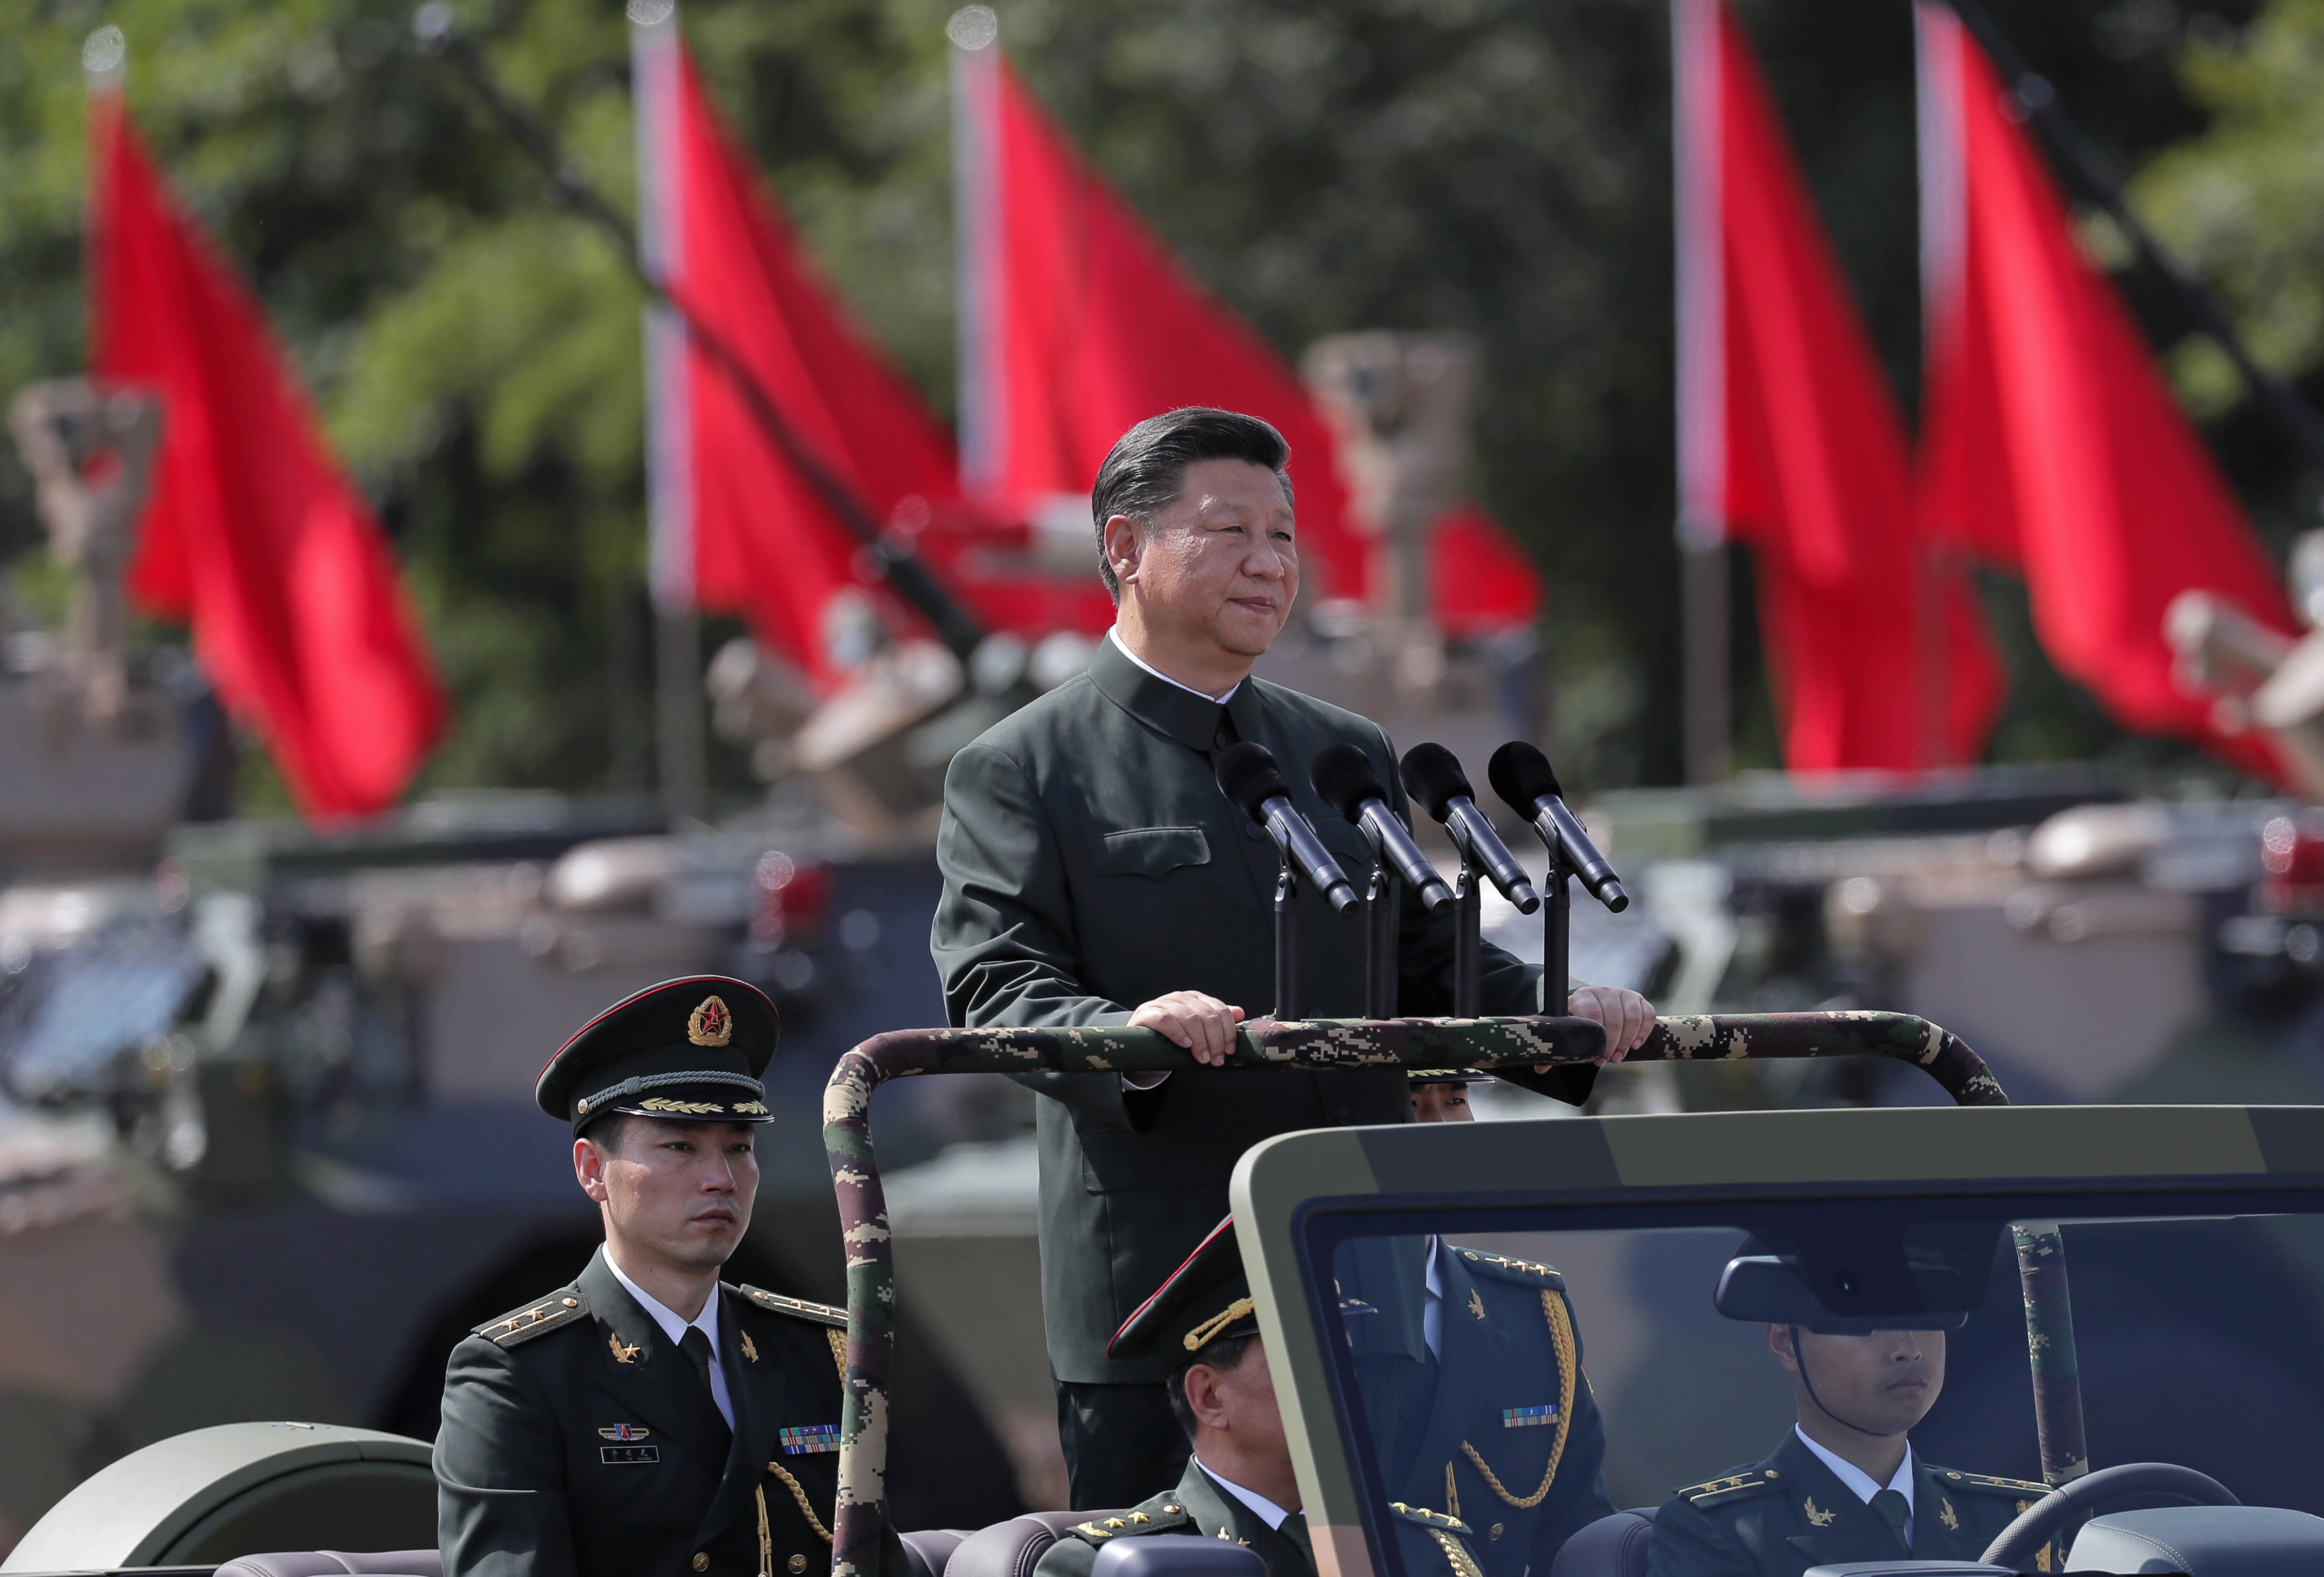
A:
(1152, 852)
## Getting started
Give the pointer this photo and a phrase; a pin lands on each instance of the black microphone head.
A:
(1521, 775)
(1343, 779)
(1433, 776)
(1249, 777)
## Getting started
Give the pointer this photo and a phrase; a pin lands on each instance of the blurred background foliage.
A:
(1495, 166)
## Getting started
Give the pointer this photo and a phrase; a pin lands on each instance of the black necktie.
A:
(1890, 1504)
(696, 1348)
(1295, 1528)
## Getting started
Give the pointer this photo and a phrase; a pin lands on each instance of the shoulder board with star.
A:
(1500, 1266)
(1987, 1484)
(1163, 1513)
(523, 1322)
(1716, 1492)
(1427, 1519)
(798, 1308)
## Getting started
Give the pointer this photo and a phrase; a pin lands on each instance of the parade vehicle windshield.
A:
(2093, 1288)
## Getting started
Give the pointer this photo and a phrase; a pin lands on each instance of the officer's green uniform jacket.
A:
(578, 1440)
(1778, 1518)
(1434, 1543)
(1090, 864)
(1499, 1427)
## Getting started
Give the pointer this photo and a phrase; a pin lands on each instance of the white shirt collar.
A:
(1859, 1482)
(1122, 647)
(707, 1322)
(1267, 1511)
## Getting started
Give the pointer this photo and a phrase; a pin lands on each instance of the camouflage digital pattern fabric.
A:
(1324, 1044)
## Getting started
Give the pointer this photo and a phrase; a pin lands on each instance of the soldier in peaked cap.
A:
(1203, 1327)
(1844, 1484)
(648, 1419)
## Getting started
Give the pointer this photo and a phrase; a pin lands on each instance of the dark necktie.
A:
(1890, 1504)
(1295, 1528)
(696, 1348)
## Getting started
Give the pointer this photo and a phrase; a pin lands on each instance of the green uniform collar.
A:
(1191, 719)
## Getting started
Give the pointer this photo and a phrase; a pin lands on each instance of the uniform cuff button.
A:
(702, 1560)
(796, 1564)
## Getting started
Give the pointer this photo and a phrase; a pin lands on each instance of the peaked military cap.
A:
(1204, 1299)
(692, 1049)
(1417, 1078)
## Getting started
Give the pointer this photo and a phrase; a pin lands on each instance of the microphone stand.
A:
(1379, 941)
(1286, 943)
(1468, 941)
(1556, 937)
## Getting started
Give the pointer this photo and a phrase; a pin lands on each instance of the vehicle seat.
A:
(1011, 1548)
(1611, 1546)
(930, 1548)
(332, 1563)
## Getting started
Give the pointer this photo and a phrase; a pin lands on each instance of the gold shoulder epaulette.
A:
(1427, 1519)
(522, 1324)
(1954, 1478)
(1501, 1265)
(798, 1308)
(1713, 1492)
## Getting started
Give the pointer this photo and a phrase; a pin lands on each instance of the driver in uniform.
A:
(648, 1419)
(1238, 1487)
(1844, 1484)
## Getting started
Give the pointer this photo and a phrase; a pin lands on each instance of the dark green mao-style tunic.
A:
(1091, 864)
(1778, 1518)
(1433, 1544)
(1500, 1428)
(578, 1440)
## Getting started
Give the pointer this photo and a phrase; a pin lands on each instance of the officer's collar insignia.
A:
(1476, 1304)
(623, 1351)
(1945, 1515)
(1819, 1518)
(624, 1432)
(750, 1351)
(710, 1024)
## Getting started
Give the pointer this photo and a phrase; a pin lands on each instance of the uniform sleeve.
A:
(1003, 935)
(501, 1505)
(1068, 1558)
(1689, 1544)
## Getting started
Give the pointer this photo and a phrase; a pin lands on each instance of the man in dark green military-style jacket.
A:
(1239, 1485)
(648, 1419)
(1095, 875)
(1844, 1483)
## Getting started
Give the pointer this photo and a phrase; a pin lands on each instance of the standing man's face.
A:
(1219, 569)
(1881, 1384)
(679, 1192)
(1441, 1103)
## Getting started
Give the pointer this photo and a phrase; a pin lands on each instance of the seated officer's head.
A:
(1202, 1324)
(1439, 1096)
(1860, 1375)
(664, 1096)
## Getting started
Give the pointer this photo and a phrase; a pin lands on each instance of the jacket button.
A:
(798, 1564)
(702, 1560)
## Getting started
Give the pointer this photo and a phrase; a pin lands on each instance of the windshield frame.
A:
(1295, 1195)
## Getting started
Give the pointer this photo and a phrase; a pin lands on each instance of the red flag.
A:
(737, 526)
(1789, 440)
(2050, 443)
(254, 535)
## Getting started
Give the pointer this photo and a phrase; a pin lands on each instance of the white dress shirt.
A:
(1859, 1482)
(1268, 1511)
(707, 1322)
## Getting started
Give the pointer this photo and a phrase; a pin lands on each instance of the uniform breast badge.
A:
(749, 1350)
(808, 1438)
(1544, 1413)
(623, 1351)
(624, 1432)
(1818, 1517)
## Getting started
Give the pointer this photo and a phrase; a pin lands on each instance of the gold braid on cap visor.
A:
(1202, 1334)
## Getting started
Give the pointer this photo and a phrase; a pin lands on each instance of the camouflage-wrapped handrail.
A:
(1320, 1043)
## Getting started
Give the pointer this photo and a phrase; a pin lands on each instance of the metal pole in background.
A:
(1709, 696)
(1707, 684)
(2050, 1347)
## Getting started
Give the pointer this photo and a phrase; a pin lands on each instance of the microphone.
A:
(1521, 775)
(1433, 776)
(1249, 777)
(1343, 779)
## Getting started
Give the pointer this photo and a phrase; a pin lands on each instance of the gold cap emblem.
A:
(710, 1024)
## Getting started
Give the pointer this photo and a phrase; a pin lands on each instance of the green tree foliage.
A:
(1495, 166)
